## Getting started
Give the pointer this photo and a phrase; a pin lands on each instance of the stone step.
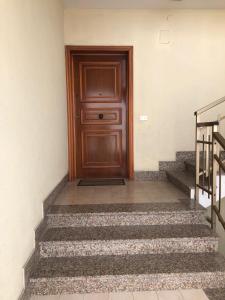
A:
(184, 180)
(190, 166)
(93, 274)
(215, 294)
(181, 212)
(122, 240)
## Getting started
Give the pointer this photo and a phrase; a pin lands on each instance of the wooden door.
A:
(101, 115)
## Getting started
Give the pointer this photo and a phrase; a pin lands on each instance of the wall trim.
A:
(71, 109)
(164, 166)
(39, 230)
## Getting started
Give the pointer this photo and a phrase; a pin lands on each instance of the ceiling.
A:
(132, 4)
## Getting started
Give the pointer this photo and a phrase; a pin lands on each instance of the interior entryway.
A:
(101, 115)
(100, 111)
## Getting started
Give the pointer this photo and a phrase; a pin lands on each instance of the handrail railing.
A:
(210, 106)
(208, 145)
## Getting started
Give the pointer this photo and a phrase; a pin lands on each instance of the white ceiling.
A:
(144, 4)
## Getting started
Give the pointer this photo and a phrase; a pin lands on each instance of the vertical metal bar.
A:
(215, 167)
(197, 153)
(207, 152)
(209, 166)
(203, 163)
(220, 189)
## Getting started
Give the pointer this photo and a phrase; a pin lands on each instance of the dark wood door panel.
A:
(101, 116)
(100, 81)
(94, 141)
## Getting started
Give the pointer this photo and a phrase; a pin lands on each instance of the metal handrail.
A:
(220, 139)
(209, 106)
(208, 142)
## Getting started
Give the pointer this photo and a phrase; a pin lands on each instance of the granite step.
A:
(184, 180)
(190, 166)
(215, 294)
(122, 240)
(181, 212)
(93, 274)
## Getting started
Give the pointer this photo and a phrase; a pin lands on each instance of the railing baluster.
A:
(197, 153)
(220, 186)
(203, 162)
(212, 163)
(209, 167)
(215, 168)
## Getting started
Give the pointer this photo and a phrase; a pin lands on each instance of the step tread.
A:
(183, 177)
(126, 232)
(215, 294)
(145, 208)
(128, 265)
(192, 163)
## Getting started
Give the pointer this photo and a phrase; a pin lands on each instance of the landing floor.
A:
(159, 295)
(132, 192)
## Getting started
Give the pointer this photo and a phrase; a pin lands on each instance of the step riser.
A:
(125, 219)
(131, 283)
(180, 185)
(130, 247)
(190, 168)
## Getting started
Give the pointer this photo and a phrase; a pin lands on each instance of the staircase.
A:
(184, 178)
(126, 247)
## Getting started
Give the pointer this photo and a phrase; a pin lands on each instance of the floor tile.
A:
(145, 296)
(72, 297)
(96, 296)
(193, 295)
(121, 296)
(169, 295)
(132, 192)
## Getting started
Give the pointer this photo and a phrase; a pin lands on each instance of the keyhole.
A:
(100, 116)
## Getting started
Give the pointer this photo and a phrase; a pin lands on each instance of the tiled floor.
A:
(133, 191)
(161, 295)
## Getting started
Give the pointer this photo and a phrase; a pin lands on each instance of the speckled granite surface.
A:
(127, 265)
(127, 247)
(150, 175)
(123, 207)
(215, 294)
(126, 232)
(132, 272)
(183, 212)
(121, 240)
(116, 219)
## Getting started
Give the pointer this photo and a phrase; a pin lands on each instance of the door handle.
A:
(100, 116)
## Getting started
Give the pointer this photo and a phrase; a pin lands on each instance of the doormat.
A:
(101, 182)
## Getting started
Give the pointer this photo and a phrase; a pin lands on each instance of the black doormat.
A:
(101, 182)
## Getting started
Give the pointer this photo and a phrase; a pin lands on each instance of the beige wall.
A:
(33, 151)
(170, 80)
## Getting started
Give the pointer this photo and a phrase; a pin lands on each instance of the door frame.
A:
(70, 51)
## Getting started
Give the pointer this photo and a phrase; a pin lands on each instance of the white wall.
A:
(170, 80)
(33, 134)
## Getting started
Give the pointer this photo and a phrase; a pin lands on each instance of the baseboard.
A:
(150, 175)
(39, 230)
(25, 295)
(164, 166)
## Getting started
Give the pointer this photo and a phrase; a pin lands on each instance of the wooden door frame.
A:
(71, 103)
